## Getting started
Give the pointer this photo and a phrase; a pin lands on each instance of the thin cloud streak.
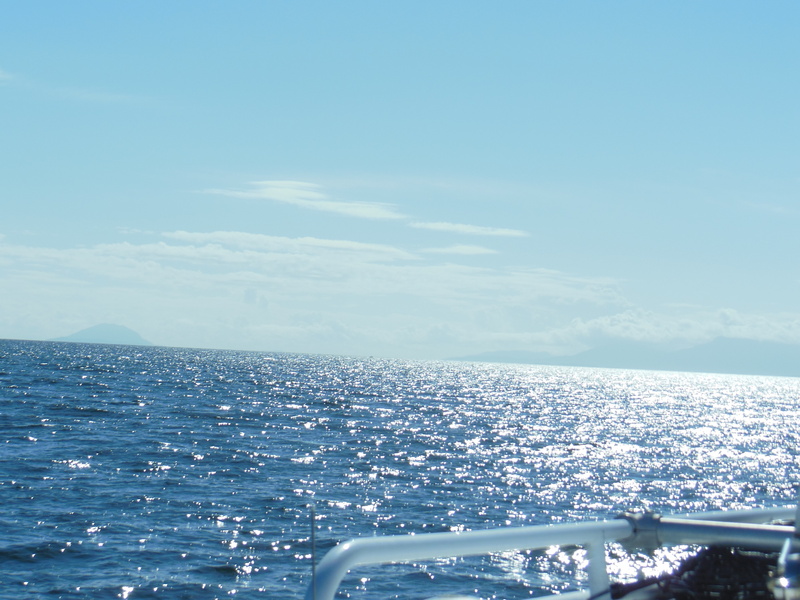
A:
(307, 195)
(470, 229)
(463, 250)
(286, 245)
(79, 94)
(310, 196)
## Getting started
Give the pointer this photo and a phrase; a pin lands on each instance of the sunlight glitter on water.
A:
(213, 458)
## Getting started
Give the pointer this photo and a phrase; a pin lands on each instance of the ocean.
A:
(147, 472)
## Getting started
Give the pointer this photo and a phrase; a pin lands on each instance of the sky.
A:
(416, 179)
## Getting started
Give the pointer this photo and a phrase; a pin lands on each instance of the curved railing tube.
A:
(376, 550)
(729, 528)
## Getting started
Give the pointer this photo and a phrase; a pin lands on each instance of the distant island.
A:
(722, 355)
(106, 334)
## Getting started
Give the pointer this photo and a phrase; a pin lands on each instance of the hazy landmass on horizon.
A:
(722, 355)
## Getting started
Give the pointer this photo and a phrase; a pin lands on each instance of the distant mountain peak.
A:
(106, 333)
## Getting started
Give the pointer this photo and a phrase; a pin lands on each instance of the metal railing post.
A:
(599, 583)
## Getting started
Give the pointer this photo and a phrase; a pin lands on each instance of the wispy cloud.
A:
(212, 259)
(239, 289)
(285, 245)
(310, 196)
(72, 93)
(687, 324)
(463, 250)
(280, 287)
(470, 229)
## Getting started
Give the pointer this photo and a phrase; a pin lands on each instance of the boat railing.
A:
(731, 528)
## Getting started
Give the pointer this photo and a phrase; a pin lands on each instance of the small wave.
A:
(40, 552)
(218, 573)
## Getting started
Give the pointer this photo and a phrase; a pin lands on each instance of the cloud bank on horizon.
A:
(387, 186)
(243, 290)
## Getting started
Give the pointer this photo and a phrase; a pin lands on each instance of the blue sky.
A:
(411, 179)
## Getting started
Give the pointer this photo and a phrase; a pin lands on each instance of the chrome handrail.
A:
(724, 528)
(385, 549)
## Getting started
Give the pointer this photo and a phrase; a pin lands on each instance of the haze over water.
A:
(132, 472)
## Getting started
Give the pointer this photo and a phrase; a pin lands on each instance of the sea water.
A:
(142, 472)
